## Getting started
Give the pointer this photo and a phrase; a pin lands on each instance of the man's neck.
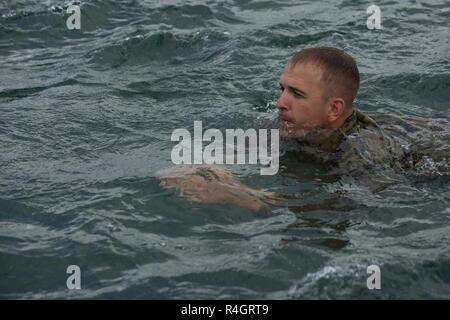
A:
(328, 139)
(339, 123)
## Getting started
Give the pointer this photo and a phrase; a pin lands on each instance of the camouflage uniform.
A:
(359, 145)
(384, 151)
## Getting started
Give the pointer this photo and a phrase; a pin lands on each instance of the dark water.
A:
(85, 123)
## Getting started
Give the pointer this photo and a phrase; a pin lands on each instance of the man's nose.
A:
(282, 102)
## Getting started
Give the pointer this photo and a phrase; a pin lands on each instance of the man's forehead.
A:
(301, 73)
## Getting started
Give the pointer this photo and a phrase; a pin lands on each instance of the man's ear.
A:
(336, 108)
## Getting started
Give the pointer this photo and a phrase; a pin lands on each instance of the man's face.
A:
(303, 100)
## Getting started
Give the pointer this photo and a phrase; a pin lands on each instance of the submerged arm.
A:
(211, 184)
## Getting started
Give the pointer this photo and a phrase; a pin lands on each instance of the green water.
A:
(85, 123)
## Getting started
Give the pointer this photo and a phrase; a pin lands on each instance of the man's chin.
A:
(289, 131)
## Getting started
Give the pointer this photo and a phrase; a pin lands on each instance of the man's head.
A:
(318, 86)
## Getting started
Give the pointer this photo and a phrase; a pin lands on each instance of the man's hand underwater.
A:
(208, 184)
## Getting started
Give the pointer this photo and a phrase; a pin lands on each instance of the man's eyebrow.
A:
(294, 89)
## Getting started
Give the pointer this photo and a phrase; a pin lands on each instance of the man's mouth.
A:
(286, 121)
(283, 116)
(287, 127)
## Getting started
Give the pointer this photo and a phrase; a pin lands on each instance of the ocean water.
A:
(85, 123)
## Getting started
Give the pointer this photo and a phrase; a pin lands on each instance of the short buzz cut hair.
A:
(339, 70)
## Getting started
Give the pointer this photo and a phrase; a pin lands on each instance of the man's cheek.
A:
(304, 122)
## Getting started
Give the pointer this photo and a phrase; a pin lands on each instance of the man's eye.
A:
(298, 94)
(281, 89)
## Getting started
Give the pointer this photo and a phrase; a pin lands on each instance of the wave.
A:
(164, 48)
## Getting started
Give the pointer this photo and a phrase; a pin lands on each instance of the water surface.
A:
(85, 124)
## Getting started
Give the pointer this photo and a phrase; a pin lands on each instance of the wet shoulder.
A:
(366, 147)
